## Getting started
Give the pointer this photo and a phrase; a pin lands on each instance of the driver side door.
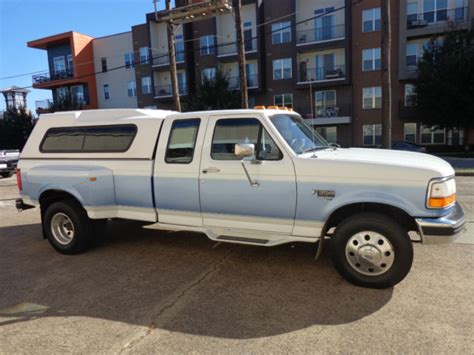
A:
(265, 200)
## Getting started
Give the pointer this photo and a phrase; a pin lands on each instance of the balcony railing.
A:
(322, 34)
(225, 49)
(438, 17)
(163, 58)
(335, 72)
(333, 111)
(167, 90)
(252, 82)
(46, 77)
(43, 104)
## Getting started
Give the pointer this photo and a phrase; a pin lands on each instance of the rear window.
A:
(97, 139)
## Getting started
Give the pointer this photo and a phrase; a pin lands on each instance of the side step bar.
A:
(245, 240)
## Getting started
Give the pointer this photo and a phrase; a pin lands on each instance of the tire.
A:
(7, 174)
(62, 218)
(372, 250)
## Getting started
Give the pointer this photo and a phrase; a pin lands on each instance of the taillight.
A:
(18, 179)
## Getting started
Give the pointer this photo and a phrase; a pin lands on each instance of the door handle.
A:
(210, 170)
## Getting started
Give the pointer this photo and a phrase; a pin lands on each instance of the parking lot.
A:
(142, 291)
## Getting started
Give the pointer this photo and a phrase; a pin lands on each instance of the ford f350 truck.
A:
(257, 177)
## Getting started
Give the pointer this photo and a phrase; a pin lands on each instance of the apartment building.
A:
(70, 63)
(114, 61)
(320, 57)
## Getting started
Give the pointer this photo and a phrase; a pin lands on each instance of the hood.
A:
(381, 157)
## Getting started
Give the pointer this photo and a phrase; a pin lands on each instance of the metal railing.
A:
(46, 76)
(164, 59)
(252, 82)
(437, 17)
(333, 111)
(231, 48)
(43, 104)
(321, 34)
(167, 90)
(323, 73)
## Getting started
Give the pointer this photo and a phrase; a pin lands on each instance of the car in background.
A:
(408, 146)
(8, 162)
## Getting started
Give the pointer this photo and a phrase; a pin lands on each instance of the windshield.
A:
(300, 136)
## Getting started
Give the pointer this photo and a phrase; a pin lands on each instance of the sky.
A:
(25, 20)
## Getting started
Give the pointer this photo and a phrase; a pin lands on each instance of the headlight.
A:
(441, 193)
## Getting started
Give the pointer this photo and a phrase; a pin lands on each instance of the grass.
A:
(464, 171)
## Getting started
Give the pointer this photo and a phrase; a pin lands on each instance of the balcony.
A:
(162, 59)
(318, 35)
(47, 77)
(438, 17)
(166, 91)
(322, 74)
(330, 114)
(230, 49)
(252, 82)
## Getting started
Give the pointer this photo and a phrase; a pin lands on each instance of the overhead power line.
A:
(198, 49)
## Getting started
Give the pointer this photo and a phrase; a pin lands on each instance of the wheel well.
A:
(51, 196)
(395, 213)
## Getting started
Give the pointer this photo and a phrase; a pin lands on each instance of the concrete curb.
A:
(464, 173)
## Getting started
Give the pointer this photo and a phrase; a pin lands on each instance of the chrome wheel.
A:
(370, 253)
(62, 228)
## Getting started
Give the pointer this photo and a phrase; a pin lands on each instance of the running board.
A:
(245, 240)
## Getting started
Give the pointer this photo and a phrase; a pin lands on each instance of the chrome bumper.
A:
(443, 229)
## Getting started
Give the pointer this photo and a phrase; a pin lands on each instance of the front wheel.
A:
(372, 250)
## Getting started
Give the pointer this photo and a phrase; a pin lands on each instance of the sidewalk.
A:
(463, 166)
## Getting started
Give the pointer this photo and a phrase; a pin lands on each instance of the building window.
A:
(412, 12)
(132, 88)
(371, 20)
(410, 95)
(106, 92)
(412, 55)
(432, 135)
(207, 45)
(128, 60)
(372, 134)
(77, 93)
(103, 62)
(325, 102)
(285, 100)
(282, 69)
(372, 97)
(179, 47)
(435, 10)
(328, 133)
(144, 55)
(409, 132)
(208, 74)
(182, 140)
(70, 66)
(62, 93)
(455, 136)
(146, 85)
(371, 59)
(281, 32)
(59, 65)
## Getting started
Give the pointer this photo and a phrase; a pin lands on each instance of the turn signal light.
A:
(441, 202)
(261, 107)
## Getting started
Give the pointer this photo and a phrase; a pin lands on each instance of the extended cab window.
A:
(182, 141)
(98, 139)
(231, 131)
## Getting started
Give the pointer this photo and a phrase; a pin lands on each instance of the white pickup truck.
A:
(257, 177)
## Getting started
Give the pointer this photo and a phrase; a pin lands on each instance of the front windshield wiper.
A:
(314, 149)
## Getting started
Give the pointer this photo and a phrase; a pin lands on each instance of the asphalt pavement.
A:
(143, 291)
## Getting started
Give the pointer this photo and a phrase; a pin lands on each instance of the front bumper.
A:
(443, 229)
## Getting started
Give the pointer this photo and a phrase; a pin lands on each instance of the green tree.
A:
(215, 94)
(445, 82)
(15, 127)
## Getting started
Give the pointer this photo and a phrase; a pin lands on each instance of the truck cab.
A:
(256, 177)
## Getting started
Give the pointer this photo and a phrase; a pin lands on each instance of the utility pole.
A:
(386, 74)
(237, 4)
(172, 60)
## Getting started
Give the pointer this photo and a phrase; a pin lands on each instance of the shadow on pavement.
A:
(178, 282)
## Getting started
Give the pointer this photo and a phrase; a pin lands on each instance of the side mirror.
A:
(243, 150)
